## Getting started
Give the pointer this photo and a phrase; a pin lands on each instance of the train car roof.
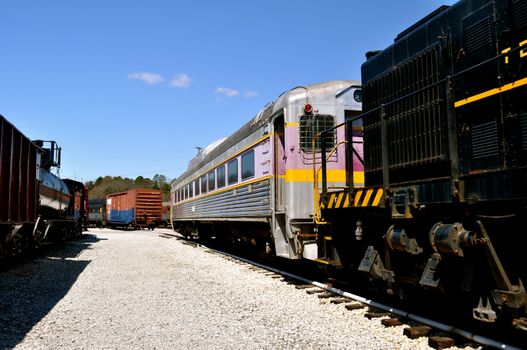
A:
(315, 93)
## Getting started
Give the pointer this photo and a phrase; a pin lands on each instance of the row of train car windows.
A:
(216, 178)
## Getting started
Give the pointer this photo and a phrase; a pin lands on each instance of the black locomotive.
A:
(35, 204)
(445, 163)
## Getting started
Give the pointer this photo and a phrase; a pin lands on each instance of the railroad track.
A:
(440, 335)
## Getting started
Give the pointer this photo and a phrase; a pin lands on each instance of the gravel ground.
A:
(136, 290)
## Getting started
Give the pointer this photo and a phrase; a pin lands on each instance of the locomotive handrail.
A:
(316, 193)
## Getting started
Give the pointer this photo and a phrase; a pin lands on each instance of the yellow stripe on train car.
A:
(491, 92)
(306, 175)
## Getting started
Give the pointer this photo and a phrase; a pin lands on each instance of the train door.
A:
(279, 164)
(279, 230)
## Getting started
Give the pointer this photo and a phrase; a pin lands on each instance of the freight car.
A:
(256, 186)
(97, 213)
(136, 208)
(35, 204)
(445, 164)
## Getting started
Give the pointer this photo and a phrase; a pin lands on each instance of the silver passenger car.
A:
(257, 185)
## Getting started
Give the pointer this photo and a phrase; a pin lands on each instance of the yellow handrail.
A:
(316, 193)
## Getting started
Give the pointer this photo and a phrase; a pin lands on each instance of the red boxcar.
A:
(19, 159)
(137, 208)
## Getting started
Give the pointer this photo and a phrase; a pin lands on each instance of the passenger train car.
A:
(257, 185)
(35, 204)
(445, 164)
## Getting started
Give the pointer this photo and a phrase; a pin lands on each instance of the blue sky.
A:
(131, 87)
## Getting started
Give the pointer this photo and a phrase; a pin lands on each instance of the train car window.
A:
(232, 170)
(196, 187)
(185, 191)
(310, 125)
(203, 184)
(175, 197)
(248, 165)
(212, 180)
(221, 176)
(190, 190)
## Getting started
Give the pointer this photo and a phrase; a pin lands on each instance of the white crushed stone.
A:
(136, 290)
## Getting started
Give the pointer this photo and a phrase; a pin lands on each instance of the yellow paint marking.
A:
(339, 199)
(306, 175)
(292, 124)
(378, 197)
(358, 178)
(367, 197)
(357, 198)
(331, 200)
(491, 92)
(347, 201)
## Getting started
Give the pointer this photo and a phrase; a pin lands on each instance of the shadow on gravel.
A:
(29, 291)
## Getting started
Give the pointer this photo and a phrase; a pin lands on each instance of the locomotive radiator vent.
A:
(519, 13)
(478, 35)
(523, 121)
(485, 140)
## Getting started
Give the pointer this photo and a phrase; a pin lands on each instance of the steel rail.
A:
(439, 325)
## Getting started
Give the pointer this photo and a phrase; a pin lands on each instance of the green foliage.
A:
(104, 186)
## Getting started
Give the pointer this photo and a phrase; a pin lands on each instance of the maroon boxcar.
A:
(18, 176)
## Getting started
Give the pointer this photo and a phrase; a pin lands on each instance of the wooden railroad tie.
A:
(440, 343)
(326, 295)
(417, 331)
(304, 286)
(340, 301)
(391, 322)
(355, 306)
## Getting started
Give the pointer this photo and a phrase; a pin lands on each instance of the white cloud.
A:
(180, 80)
(249, 93)
(149, 78)
(228, 92)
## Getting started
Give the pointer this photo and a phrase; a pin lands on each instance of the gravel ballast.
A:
(137, 290)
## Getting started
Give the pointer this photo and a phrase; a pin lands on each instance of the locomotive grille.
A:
(415, 122)
(523, 121)
(485, 140)
(519, 13)
(478, 35)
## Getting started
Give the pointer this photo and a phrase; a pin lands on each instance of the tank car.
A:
(445, 163)
(256, 186)
(35, 204)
